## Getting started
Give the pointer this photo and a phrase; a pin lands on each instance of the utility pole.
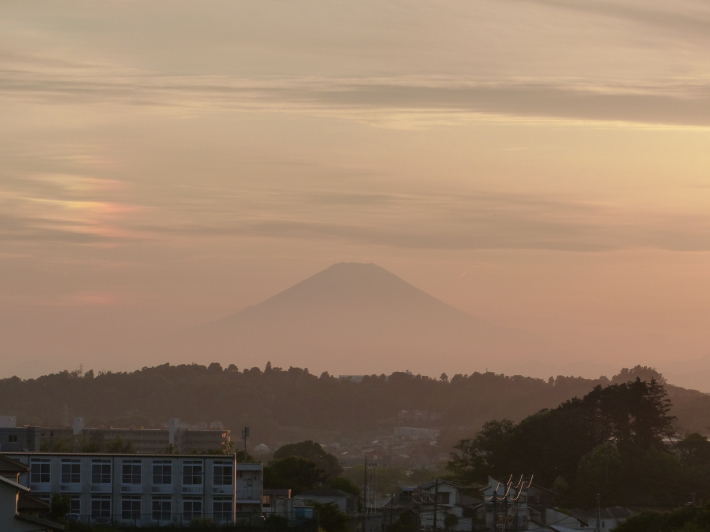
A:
(599, 513)
(364, 489)
(245, 435)
(436, 502)
(495, 510)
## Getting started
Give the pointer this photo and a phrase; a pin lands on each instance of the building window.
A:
(444, 497)
(75, 505)
(162, 509)
(131, 472)
(39, 471)
(101, 508)
(192, 472)
(71, 471)
(223, 473)
(191, 508)
(162, 472)
(101, 472)
(12, 438)
(222, 510)
(131, 507)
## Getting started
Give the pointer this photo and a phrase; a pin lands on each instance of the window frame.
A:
(192, 465)
(133, 512)
(131, 477)
(219, 515)
(103, 510)
(160, 512)
(75, 505)
(70, 472)
(44, 465)
(189, 515)
(162, 465)
(219, 478)
(103, 465)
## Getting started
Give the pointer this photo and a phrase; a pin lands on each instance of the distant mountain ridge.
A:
(358, 315)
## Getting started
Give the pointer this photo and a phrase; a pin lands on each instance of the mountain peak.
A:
(354, 284)
(347, 314)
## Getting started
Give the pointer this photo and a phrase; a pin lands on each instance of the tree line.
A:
(619, 441)
(284, 404)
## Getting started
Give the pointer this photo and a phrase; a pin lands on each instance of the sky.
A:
(541, 164)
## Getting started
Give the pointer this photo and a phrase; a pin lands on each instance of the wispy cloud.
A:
(674, 102)
(441, 221)
(681, 17)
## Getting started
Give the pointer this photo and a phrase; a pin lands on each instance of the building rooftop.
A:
(8, 465)
(279, 493)
(4, 454)
(325, 492)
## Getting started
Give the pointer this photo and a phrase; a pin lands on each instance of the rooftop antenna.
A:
(245, 435)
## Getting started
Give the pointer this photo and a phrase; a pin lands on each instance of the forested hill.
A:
(277, 403)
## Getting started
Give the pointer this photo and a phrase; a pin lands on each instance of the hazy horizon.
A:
(539, 164)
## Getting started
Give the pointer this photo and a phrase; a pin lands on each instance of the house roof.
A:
(612, 512)
(8, 465)
(29, 503)
(278, 493)
(51, 525)
(433, 484)
(325, 492)
(13, 484)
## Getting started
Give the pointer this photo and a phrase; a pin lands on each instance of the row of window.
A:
(131, 472)
(161, 508)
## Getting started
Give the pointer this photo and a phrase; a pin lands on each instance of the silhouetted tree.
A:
(326, 463)
(294, 472)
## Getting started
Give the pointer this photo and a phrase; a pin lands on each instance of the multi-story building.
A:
(147, 489)
(148, 441)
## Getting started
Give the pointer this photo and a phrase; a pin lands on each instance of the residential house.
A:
(434, 501)
(277, 502)
(12, 469)
(346, 502)
(19, 512)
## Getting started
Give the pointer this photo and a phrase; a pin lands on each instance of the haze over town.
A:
(539, 165)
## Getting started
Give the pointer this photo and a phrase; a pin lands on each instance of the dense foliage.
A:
(688, 519)
(293, 472)
(303, 466)
(291, 405)
(330, 518)
(618, 440)
(326, 463)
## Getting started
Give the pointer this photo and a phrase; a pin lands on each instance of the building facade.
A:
(141, 489)
(144, 441)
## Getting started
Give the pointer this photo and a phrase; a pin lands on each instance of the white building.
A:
(149, 441)
(146, 489)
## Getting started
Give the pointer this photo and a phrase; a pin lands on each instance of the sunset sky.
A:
(541, 164)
